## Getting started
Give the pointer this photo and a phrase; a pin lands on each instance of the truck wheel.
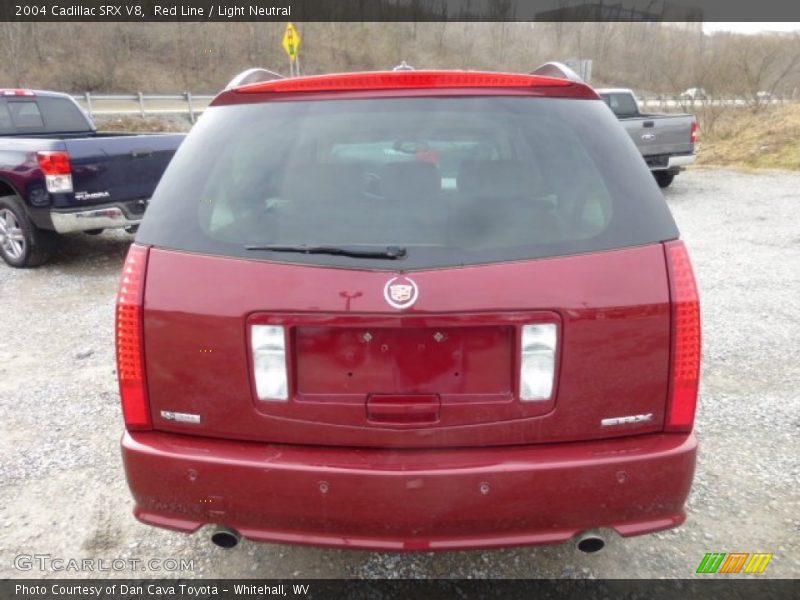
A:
(22, 244)
(664, 178)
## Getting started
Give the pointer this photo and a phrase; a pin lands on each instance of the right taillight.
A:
(686, 346)
(695, 132)
(130, 340)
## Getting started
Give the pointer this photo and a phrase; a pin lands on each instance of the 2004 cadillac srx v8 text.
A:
(409, 310)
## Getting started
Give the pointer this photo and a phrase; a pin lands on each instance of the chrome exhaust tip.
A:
(225, 537)
(590, 542)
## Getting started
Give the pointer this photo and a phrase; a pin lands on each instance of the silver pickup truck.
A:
(666, 141)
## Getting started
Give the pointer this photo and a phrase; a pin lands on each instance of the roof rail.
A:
(557, 70)
(256, 75)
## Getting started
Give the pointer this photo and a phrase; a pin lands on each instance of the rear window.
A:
(622, 105)
(452, 180)
(41, 115)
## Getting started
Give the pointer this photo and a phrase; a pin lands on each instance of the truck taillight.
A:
(57, 171)
(130, 340)
(269, 362)
(686, 345)
(695, 132)
(537, 367)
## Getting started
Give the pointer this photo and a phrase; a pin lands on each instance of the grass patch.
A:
(741, 138)
(137, 124)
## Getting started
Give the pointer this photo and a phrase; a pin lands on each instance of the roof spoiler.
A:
(557, 70)
(249, 76)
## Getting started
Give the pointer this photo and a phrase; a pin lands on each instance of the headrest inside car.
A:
(314, 182)
(499, 179)
(409, 181)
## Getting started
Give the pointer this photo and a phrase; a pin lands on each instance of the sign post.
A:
(291, 43)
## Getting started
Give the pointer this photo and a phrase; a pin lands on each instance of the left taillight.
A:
(268, 344)
(130, 340)
(57, 171)
(538, 361)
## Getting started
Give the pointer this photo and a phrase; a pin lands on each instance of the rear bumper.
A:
(112, 216)
(673, 162)
(410, 499)
(681, 160)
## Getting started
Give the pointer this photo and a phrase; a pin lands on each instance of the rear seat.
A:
(410, 181)
(505, 195)
(499, 179)
(322, 182)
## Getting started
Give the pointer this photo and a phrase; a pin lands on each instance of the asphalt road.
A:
(63, 494)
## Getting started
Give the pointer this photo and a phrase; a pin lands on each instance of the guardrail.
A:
(687, 103)
(194, 104)
(144, 104)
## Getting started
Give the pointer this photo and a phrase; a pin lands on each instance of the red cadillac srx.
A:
(411, 310)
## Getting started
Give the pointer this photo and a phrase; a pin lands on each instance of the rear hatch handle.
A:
(403, 409)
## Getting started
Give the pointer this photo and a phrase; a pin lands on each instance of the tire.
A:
(94, 231)
(664, 178)
(22, 244)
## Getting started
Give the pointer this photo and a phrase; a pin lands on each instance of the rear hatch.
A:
(422, 271)
(119, 169)
(458, 350)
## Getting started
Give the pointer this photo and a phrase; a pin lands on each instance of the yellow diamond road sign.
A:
(291, 41)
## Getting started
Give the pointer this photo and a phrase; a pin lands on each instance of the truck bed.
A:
(107, 168)
(117, 168)
(660, 134)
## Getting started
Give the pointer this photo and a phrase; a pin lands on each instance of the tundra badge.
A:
(91, 195)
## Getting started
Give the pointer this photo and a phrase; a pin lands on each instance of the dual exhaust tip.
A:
(588, 542)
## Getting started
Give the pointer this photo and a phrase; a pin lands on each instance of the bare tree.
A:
(765, 63)
(652, 58)
(15, 38)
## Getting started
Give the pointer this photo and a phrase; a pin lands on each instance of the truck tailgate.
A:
(661, 134)
(118, 169)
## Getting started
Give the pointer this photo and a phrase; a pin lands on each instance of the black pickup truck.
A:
(58, 174)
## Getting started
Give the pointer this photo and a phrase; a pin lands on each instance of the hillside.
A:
(769, 139)
(153, 58)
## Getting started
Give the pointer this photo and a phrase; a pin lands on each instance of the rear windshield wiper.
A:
(390, 252)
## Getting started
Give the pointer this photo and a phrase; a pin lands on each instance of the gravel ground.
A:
(62, 490)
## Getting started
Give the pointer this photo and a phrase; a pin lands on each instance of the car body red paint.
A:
(404, 425)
